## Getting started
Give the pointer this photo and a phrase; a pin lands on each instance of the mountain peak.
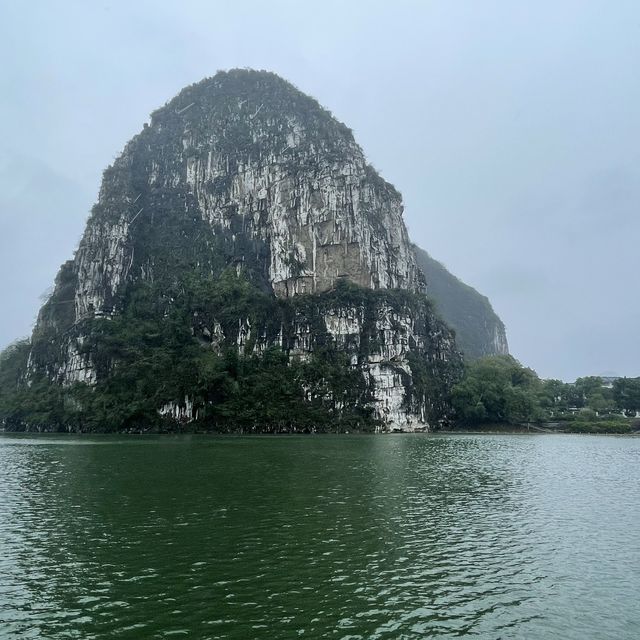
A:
(245, 220)
(256, 101)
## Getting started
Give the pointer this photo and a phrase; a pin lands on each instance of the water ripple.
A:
(330, 537)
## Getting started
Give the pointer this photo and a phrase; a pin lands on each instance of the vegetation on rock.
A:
(159, 353)
(149, 358)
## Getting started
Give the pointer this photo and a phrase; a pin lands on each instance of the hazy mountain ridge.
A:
(479, 330)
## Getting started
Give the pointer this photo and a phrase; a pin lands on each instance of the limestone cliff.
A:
(479, 330)
(242, 172)
(267, 167)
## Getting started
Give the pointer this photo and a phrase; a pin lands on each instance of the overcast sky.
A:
(512, 130)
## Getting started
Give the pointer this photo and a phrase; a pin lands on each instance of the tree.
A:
(497, 389)
(584, 388)
(554, 396)
(626, 394)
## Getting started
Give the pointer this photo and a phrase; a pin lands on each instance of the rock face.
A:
(479, 331)
(242, 171)
(265, 165)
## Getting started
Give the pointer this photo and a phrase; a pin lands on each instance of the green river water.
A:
(400, 536)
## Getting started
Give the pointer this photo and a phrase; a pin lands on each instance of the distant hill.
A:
(479, 331)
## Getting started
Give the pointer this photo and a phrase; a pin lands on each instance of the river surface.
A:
(400, 536)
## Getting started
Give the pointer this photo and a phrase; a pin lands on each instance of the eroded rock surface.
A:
(243, 171)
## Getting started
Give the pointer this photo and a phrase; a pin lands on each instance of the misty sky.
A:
(512, 130)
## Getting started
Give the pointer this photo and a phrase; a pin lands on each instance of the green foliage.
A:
(499, 390)
(13, 365)
(586, 394)
(431, 383)
(155, 354)
(496, 389)
(553, 396)
(600, 426)
(626, 393)
(13, 362)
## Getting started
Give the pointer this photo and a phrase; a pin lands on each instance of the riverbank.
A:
(495, 429)
(603, 428)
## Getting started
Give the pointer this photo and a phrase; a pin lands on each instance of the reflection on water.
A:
(320, 537)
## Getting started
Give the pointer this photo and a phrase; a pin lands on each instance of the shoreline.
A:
(484, 430)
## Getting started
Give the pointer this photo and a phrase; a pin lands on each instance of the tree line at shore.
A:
(158, 357)
(494, 390)
(499, 390)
